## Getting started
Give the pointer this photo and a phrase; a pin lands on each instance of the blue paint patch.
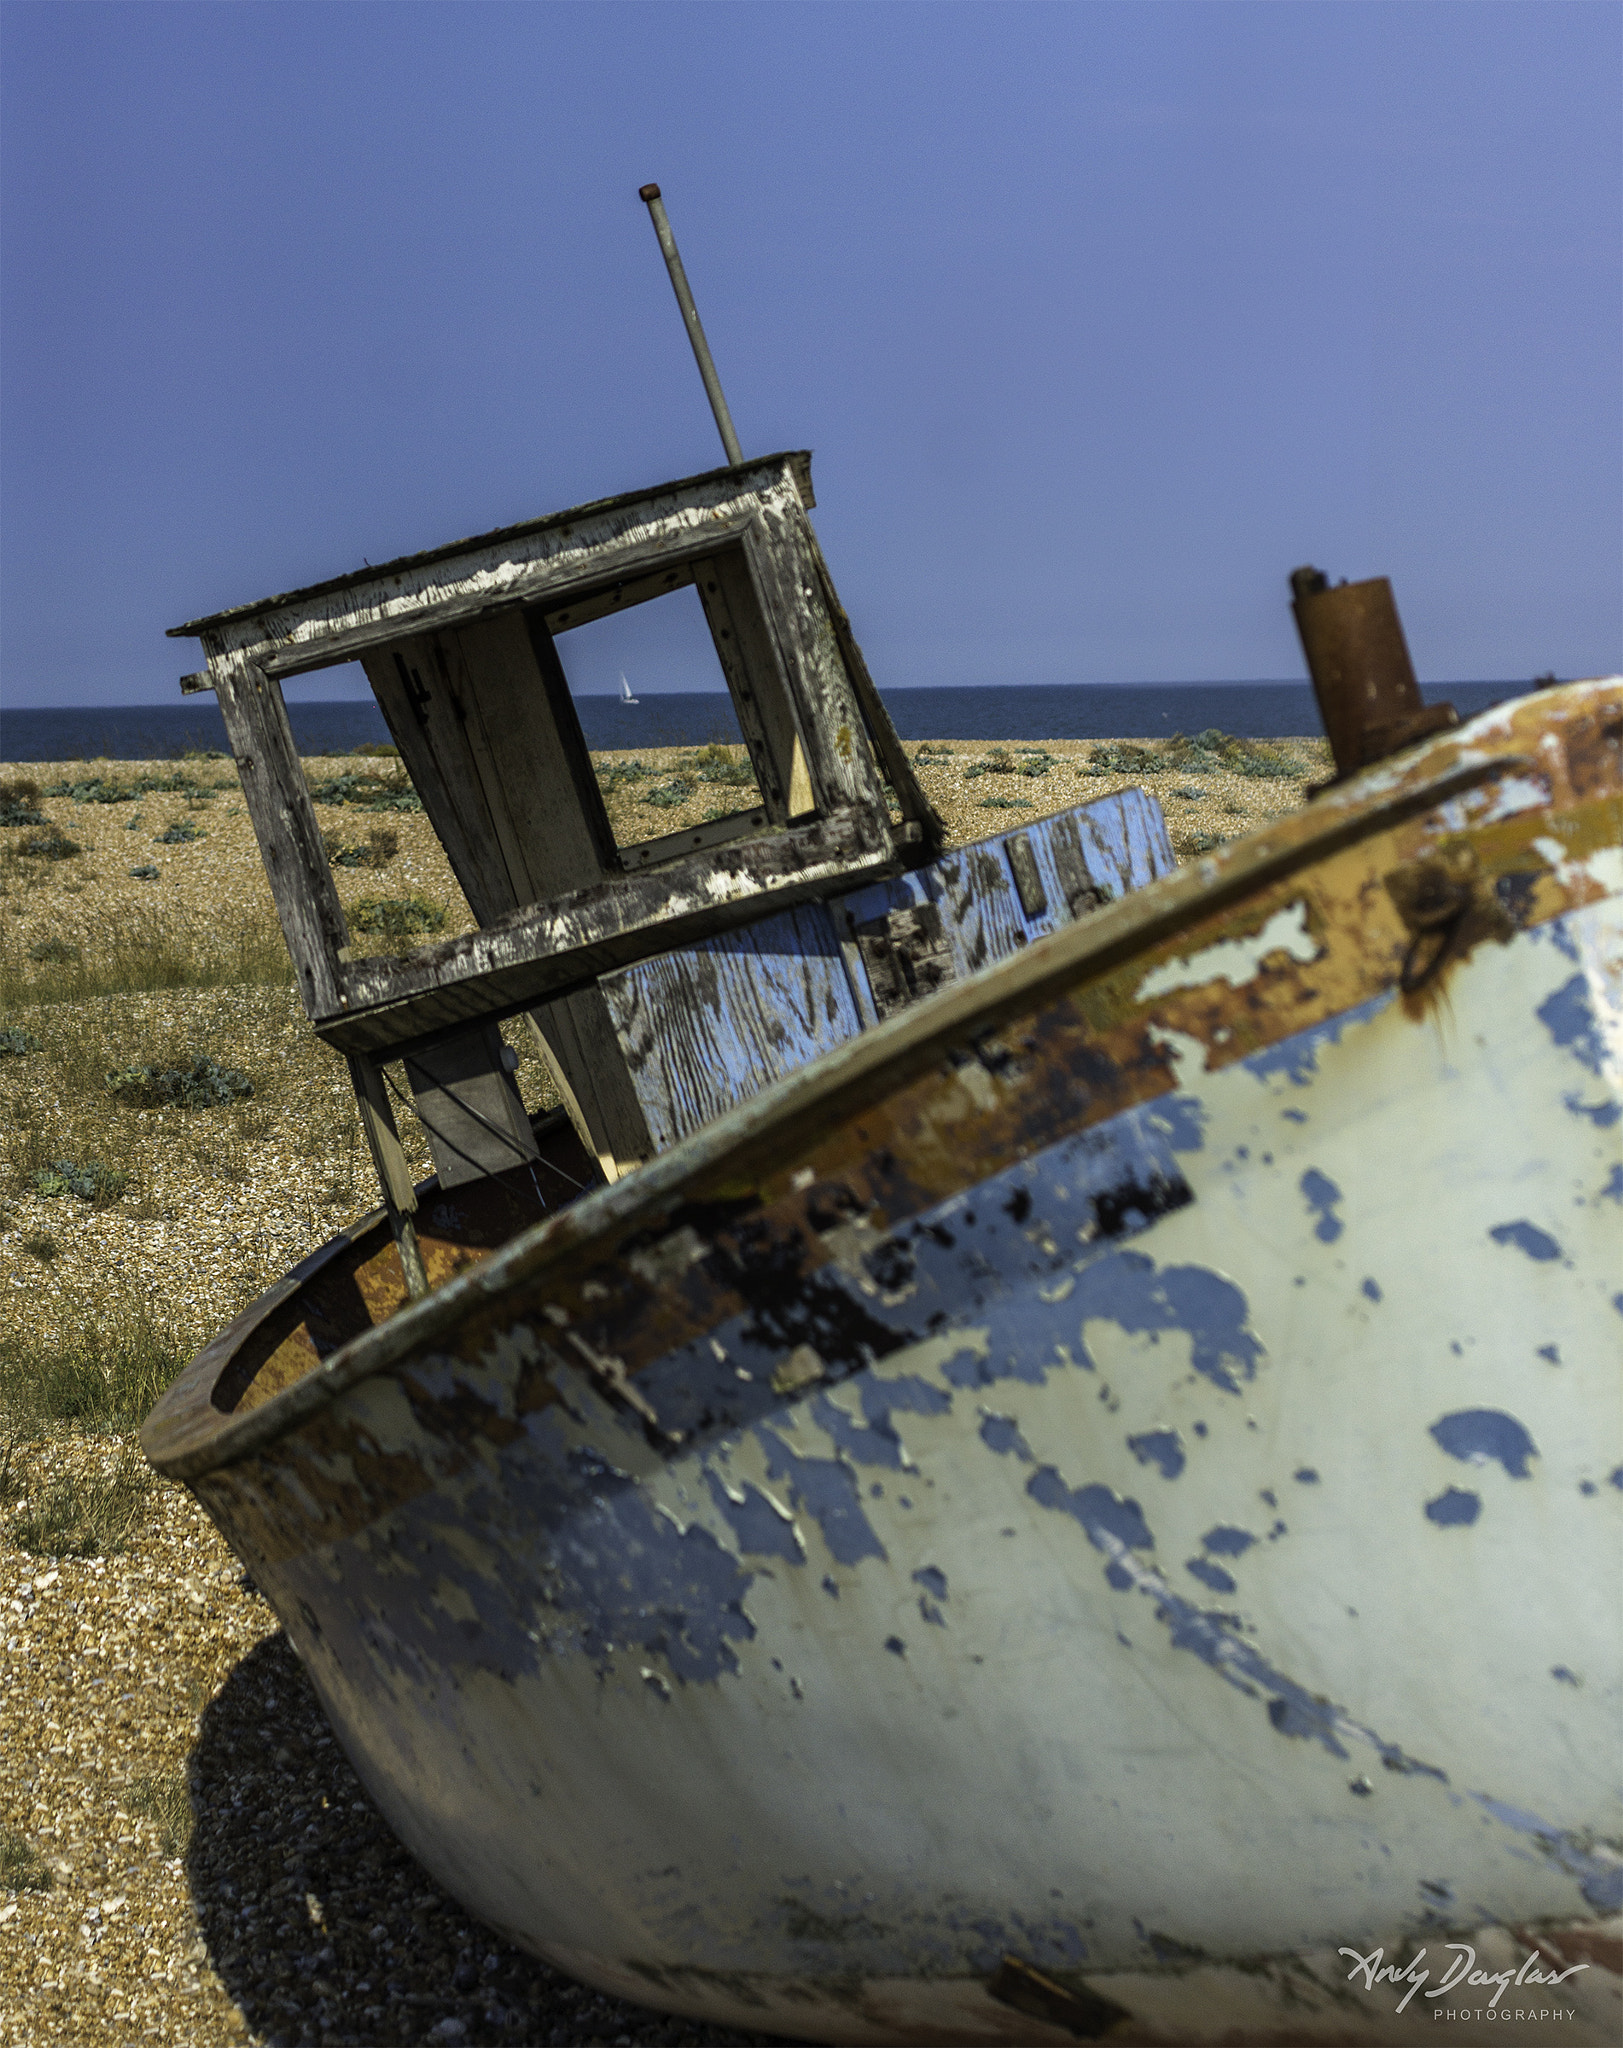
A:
(828, 1491)
(933, 1580)
(1227, 1541)
(1550, 1351)
(1613, 1190)
(1321, 1195)
(1474, 1435)
(1454, 1509)
(1304, 1475)
(1617, 1303)
(1565, 1677)
(896, 1646)
(1159, 1447)
(1527, 1237)
(1615, 1477)
(1181, 1119)
(1587, 1487)
(878, 1445)
(1297, 1057)
(1113, 1525)
(1212, 1575)
(1572, 1023)
(1600, 1879)
(1001, 1433)
(1295, 1116)
(1601, 1114)
(1371, 1291)
(1125, 1288)
(761, 1531)
(831, 1587)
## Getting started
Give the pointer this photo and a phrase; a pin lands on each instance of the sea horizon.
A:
(945, 711)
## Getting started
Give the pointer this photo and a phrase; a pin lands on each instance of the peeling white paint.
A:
(1236, 961)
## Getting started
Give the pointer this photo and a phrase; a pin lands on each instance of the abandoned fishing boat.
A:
(1061, 1475)
(1059, 1492)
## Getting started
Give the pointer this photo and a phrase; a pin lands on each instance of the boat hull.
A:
(1076, 1515)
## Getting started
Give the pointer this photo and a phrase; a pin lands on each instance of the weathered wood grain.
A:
(545, 562)
(705, 1028)
(544, 950)
(284, 820)
(469, 1107)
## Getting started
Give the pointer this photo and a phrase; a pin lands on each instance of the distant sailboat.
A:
(625, 690)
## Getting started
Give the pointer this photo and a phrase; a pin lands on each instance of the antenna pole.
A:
(690, 319)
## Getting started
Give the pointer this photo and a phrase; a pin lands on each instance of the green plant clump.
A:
(22, 1868)
(395, 916)
(202, 1084)
(53, 844)
(614, 774)
(380, 848)
(53, 952)
(91, 1182)
(1003, 803)
(145, 873)
(180, 833)
(100, 789)
(17, 805)
(368, 792)
(15, 1041)
(669, 796)
(1032, 763)
(716, 764)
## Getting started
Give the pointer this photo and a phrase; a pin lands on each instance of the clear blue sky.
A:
(1099, 318)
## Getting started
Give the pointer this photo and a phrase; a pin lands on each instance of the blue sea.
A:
(1077, 711)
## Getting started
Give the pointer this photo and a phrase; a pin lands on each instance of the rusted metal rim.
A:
(186, 1436)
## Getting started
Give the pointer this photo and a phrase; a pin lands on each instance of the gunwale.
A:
(188, 1436)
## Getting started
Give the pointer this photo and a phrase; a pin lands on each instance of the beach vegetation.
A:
(669, 796)
(147, 872)
(91, 1180)
(85, 1513)
(22, 1867)
(97, 1373)
(379, 848)
(395, 917)
(613, 775)
(165, 1799)
(368, 792)
(112, 789)
(201, 1084)
(18, 804)
(180, 833)
(15, 1041)
(51, 844)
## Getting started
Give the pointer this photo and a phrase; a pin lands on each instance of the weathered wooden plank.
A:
(705, 1029)
(916, 808)
(421, 712)
(580, 1046)
(470, 1108)
(393, 1171)
(620, 596)
(603, 515)
(337, 623)
(755, 678)
(284, 821)
(545, 950)
(777, 549)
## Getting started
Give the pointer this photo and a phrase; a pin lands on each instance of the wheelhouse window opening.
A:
(660, 648)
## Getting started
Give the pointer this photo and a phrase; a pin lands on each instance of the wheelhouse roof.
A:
(799, 460)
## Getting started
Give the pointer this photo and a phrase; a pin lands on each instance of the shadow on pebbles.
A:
(323, 1930)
